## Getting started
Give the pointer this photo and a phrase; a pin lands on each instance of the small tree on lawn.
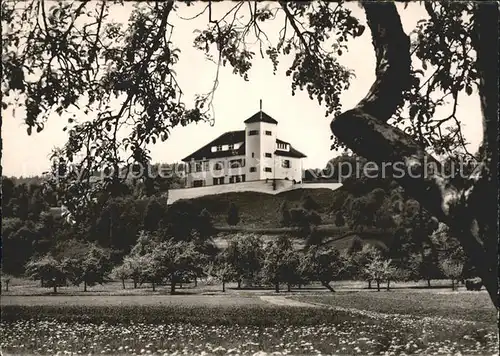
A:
(281, 263)
(391, 272)
(323, 264)
(452, 269)
(423, 266)
(47, 269)
(152, 270)
(359, 260)
(89, 269)
(133, 264)
(233, 217)
(121, 272)
(245, 254)
(173, 260)
(380, 270)
(5, 281)
(222, 269)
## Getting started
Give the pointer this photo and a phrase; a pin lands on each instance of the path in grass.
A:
(284, 301)
(456, 307)
(325, 302)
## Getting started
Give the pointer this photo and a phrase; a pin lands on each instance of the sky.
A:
(302, 121)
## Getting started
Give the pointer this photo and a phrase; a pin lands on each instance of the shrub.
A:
(284, 214)
(339, 219)
(233, 217)
(474, 284)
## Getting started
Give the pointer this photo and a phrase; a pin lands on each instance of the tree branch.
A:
(392, 47)
(364, 129)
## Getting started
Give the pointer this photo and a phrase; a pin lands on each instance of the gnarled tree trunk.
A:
(470, 213)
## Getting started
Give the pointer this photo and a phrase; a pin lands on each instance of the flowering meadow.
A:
(235, 330)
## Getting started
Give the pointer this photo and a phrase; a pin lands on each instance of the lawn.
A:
(217, 329)
(471, 306)
(245, 324)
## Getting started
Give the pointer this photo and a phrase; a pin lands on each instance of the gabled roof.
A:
(261, 116)
(224, 139)
(292, 153)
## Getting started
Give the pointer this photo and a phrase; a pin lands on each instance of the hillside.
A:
(259, 213)
(261, 210)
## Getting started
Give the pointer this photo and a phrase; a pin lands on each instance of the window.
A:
(197, 167)
(218, 181)
(285, 163)
(267, 169)
(253, 169)
(243, 178)
(253, 154)
(206, 167)
(283, 146)
(253, 132)
(268, 155)
(231, 146)
(219, 148)
(218, 166)
(198, 183)
(234, 179)
(269, 133)
(237, 163)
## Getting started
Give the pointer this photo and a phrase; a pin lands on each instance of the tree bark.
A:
(172, 286)
(223, 286)
(327, 286)
(369, 284)
(388, 284)
(135, 283)
(153, 284)
(55, 288)
(239, 283)
(84, 286)
(123, 283)
(378, 285)
(364, 130)
(429, 283)
(195, 282)
(277, 287)
(289, 287)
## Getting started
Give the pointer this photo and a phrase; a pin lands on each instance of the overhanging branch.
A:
(364, 129)
(392, 50)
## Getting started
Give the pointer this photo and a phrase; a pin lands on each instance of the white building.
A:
(252, 154)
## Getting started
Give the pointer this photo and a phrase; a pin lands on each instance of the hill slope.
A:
(261, 210)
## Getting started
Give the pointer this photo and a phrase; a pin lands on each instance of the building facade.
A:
(252, 154)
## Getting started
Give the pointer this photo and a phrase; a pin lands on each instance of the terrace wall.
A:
(260, 186)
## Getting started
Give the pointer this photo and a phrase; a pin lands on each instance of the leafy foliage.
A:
(233, 217)
(47, 269)
(281, 263)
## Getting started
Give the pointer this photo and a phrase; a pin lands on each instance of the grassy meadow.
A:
(202, 320)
